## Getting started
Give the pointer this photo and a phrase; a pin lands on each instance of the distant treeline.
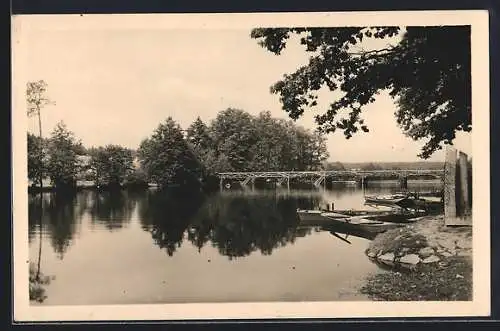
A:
(233, 141)
(419, 165)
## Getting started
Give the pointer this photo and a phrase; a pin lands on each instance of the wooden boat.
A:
(367, 223)
(388, 200)
(363, 224)
(315, 217)
(311, 217)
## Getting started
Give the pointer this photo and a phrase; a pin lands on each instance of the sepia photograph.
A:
(193, 166)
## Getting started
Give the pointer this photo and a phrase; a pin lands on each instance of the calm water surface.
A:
(151, 247)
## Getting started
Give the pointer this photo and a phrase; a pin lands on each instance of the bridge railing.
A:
(271, 174)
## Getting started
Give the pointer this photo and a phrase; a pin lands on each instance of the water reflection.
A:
(111, 210)
(166, 216)
(343, 233)
(56, 215)
(110, 232)
(234, 223)
(238, 223)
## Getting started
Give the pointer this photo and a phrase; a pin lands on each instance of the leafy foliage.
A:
(36, 97)
(167, 158)
(233, 136)
(62, 165)
(243, 142)
(427, 71)
(199, 136)
(111, 165)
(36, 146)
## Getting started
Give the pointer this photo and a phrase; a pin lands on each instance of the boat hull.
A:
(363, 223)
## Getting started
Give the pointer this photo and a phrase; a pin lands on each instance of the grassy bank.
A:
(438, 263)
(433, 282)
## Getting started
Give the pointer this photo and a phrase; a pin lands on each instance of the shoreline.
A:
(422, 261)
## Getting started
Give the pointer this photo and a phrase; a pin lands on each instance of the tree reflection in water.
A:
(166, 215)
(34, 213)
(112, 209)
(59, 218)
(237, 225)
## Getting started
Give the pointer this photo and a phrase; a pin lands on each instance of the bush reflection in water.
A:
(62, 213)
(56, 215)
(236, 224)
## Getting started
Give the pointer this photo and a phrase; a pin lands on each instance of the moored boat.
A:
(321, 216)
(364, 224)
(387, 200)
(371, 223)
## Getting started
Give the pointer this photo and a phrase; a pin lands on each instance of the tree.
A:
(198, 136)
(267, 149)
(62, 165)
(426, 71)
(167, 158)
(214, 163)
(200, 141)
(234, 135)
(309, 148)
(35, 163)
(111, 165)
(242, 142)
(36, 99)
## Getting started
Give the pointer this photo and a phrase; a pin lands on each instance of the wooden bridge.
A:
(319, 177)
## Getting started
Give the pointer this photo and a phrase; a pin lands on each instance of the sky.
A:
(114, 86)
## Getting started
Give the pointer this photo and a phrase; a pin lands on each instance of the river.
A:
(234, 246)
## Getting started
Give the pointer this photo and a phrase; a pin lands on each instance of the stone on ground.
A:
(387, 258)
(431, 259)
(411, 259)
(426, 252)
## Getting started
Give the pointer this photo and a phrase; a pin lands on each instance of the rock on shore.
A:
(434, 260)
(424, 242)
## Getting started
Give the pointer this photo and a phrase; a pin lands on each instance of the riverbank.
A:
(424, 260)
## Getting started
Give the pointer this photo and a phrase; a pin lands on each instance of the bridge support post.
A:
(403, 182)
(317, 182)
(288, 183)
(221, 181)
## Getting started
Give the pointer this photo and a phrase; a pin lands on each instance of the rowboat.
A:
(315, 217)
(367, 222)
(362, 223)
(312, 217)
(405, 200)
(391, 200)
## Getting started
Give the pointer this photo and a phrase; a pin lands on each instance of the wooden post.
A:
(450, 206)
(221, 180)
(288, 183)
(403, 181)
(464, 184)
